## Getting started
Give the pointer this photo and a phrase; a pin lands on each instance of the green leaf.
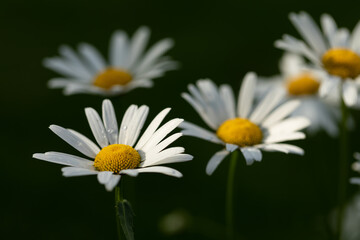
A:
(126, 215)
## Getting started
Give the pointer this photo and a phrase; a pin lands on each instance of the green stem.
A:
(343, 167)
(119, 196)
(230, 196)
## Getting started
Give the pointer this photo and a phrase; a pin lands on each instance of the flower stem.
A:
(343, 167)
(119, 196)
(230, 197)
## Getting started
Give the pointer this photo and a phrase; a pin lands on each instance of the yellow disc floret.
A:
(111, 77)
(239, 131)
(303, 84)
(117, 157)
(342, 62)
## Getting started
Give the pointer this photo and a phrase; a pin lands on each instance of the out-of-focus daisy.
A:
(303, 83)
(118, 151)
(129, 65)
(356, 167)
(333, 50)
(240, 127)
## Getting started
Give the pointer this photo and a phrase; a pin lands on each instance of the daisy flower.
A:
(129, 65)
(356, 167)
(118, 151)
(333, 50)
(240, 127)
(303, 83)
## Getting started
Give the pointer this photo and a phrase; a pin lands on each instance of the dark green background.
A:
(283, 197)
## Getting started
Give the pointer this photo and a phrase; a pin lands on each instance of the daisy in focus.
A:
(333, 50)
(303, 83)
(356, 167)
(129, 65)
(240, 126)
(119, 151)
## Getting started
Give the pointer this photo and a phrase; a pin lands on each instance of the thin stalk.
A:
(343, 167)
(119, 196)
(230, 197)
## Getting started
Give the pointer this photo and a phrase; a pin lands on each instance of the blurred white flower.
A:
(333, 50)
(352, 219)
(129, 65)
(240, 127)
(356, 167)
(303, 83)
(120, 152)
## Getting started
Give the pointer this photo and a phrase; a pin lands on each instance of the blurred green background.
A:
(283, 197)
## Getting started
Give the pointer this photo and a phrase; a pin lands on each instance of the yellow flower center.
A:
(239, 131)
(303, 84)
(111, 77)
(117, 157)
(341, 62)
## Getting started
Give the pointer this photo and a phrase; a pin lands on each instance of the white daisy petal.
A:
(163, 155)
(110, 121)
(163, 144)
(281, 112)
(136, 124)
(65, 159)
(281, 147)
(114, 180)
(94, 148)
(228, 98)
(355, 180)
(329, 27)
(137, 46)
(63, 82)
(341, 38)
(153, 54)
(104, 177)
(190, 129)
(309, 31)
(152, 128)
(60, 66)
(130, 172)
(118, 50)
(77, 172)
(328, 86)
(200, 110)
(284, 137)
(128, 116)
(215, 160)
(249, 158)
(355, 37)
(159, 169)
(215, 107)
(97, 127)
(256, 154)
(350, 93)
(289, 125)
(231, 147)
(196, 95)
(291, 64)
(246, 95)
(293, 45)
(173, 159)
(270, 101)
(92, 56)
(76, 62)
(74, 141)
(161, 133)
